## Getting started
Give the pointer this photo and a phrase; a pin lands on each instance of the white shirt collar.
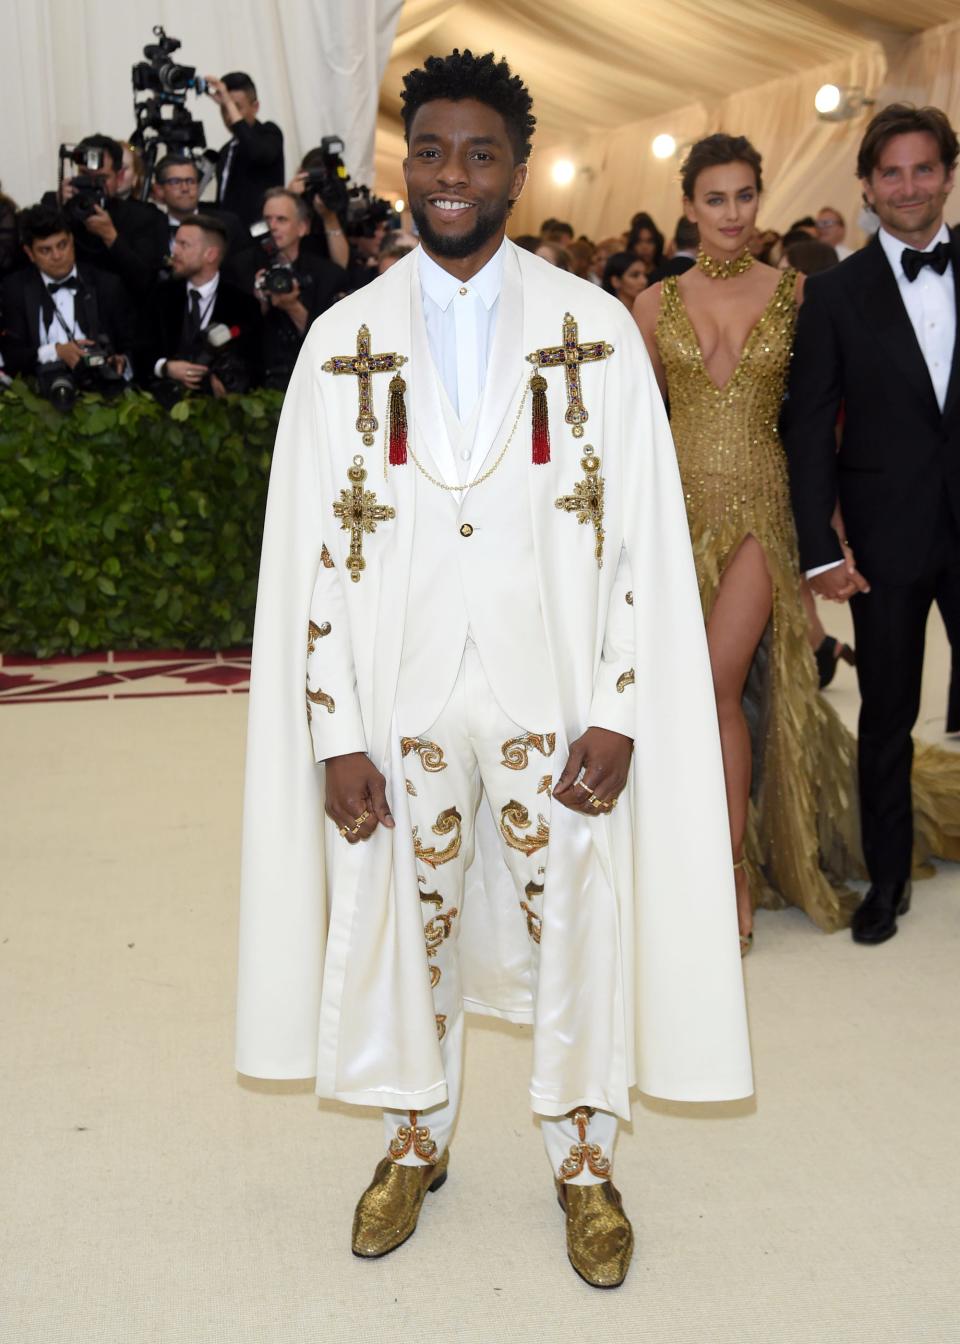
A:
(894, 247)
(440, 286)
(204, 290)
(48, 280)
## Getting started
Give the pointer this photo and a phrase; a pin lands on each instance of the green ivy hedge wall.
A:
(127, 526)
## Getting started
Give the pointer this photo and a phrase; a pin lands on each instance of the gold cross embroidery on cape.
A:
(359, 513)
(571, 354)
(363, 365)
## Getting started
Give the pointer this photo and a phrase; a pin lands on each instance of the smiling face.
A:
(909, 186)
(461, 179)
(724, 207)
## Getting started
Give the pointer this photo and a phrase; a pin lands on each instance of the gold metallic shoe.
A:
(599, 1235)
(390, 1206)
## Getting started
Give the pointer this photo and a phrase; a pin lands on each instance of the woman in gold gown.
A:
(720, 337)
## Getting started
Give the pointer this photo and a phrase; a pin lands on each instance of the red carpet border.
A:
(122, 676)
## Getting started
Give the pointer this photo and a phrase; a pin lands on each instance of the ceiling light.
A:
(664, 147)
(564, 172)
(837, 102)
(399, 205)
(827, 99)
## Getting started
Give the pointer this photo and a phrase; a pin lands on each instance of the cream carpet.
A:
(148, 1197)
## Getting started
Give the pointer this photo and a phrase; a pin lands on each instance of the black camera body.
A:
(89, 190)
(367, 212)
(216, 354)
(329, 179)
(162, 118)
(159, 74)
(279, 277)
(61, 385)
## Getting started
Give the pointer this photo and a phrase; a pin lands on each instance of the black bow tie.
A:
(913, 262)
(69, 283)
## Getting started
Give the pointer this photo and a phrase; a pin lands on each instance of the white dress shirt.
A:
(460, 318)
(63, 328)
(931, 308)
(208, 297)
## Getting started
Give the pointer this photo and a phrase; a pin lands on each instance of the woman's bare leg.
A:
(736, 625)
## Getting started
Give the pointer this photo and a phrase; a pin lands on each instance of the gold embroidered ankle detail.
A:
(415, 1138)
(583, 1154)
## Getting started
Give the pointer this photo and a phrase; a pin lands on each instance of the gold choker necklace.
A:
(722, 270)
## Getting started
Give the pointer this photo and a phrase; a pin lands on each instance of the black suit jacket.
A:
(101, 305)
(137, 255)
(165, 328)
(256, 165)
(672, 266)
(898, 464)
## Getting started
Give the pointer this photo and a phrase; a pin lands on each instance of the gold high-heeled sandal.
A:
(746, 939)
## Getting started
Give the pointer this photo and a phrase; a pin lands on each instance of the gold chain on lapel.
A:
(442, 485)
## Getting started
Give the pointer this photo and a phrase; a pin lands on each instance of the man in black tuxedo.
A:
(54, 309)
(314, 283)
(127, 238)
(204, 333)
(176, 191)
(879, 520)
(686, 240)
(252, 159)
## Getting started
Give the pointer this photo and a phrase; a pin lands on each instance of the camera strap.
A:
(52, 315)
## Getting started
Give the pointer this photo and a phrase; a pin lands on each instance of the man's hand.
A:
(355, 786)
(67, 191)
(298, 182)
(217, 387)
(292, 305)
(182, 371)
(71, 352)
(604, 758)
(99, 223)
(221, 96)
(842, 582)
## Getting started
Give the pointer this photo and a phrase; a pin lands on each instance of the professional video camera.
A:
(61, 385)
(89, 191)
(365, 213)
(327, 176)
(278, 276)
(162, 118)
(217, 355)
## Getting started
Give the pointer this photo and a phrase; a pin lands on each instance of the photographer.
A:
(204, 332)
(125, 237)
(176, 191)
(325, 194)
(61, 317)
(252, 159)
(294, 288)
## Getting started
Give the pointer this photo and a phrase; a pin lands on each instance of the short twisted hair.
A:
(463, 75)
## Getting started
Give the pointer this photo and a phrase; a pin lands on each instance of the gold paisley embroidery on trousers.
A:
(630, 599)
(534, 921)
(415, 1137)
(546, 786)
(410, 789)
(515, 751)
(624, 680)
(515, 814)
(436, 930)
(431, 756)
(447, 822)
(315, 632)
(325, 558)
(583, 1154)
(441, 1025)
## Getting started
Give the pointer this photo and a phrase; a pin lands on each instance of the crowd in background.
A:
(209, 286)
(625, 264)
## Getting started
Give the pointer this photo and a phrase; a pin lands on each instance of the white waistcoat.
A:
(458, 549)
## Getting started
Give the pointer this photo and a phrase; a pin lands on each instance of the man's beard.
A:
(490, 219)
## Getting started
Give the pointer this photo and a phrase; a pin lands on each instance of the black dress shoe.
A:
(875, 919)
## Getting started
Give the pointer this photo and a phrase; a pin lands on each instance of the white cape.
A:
(333, 977)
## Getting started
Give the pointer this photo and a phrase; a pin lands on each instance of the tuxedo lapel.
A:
(953, 387)
(33, 297)
(878, 298)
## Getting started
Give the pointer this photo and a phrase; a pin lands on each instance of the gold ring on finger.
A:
(364, 816)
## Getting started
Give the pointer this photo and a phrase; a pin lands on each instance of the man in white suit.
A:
(476, 553)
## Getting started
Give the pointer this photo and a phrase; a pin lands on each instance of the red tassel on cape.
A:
(541, 424)
(397, 416)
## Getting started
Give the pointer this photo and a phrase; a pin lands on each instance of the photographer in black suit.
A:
(58, 313)
(877, 336)
(204, 332)
(251, 162)
(127, 238)
(293, 286)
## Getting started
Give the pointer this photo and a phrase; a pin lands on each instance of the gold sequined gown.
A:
(803, 832)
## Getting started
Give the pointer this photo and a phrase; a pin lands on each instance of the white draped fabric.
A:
(65, 71)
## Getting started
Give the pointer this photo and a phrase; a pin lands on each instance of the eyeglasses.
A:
(178, 182)
(829, 224)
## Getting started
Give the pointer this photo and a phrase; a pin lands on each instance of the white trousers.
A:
(472, 750)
